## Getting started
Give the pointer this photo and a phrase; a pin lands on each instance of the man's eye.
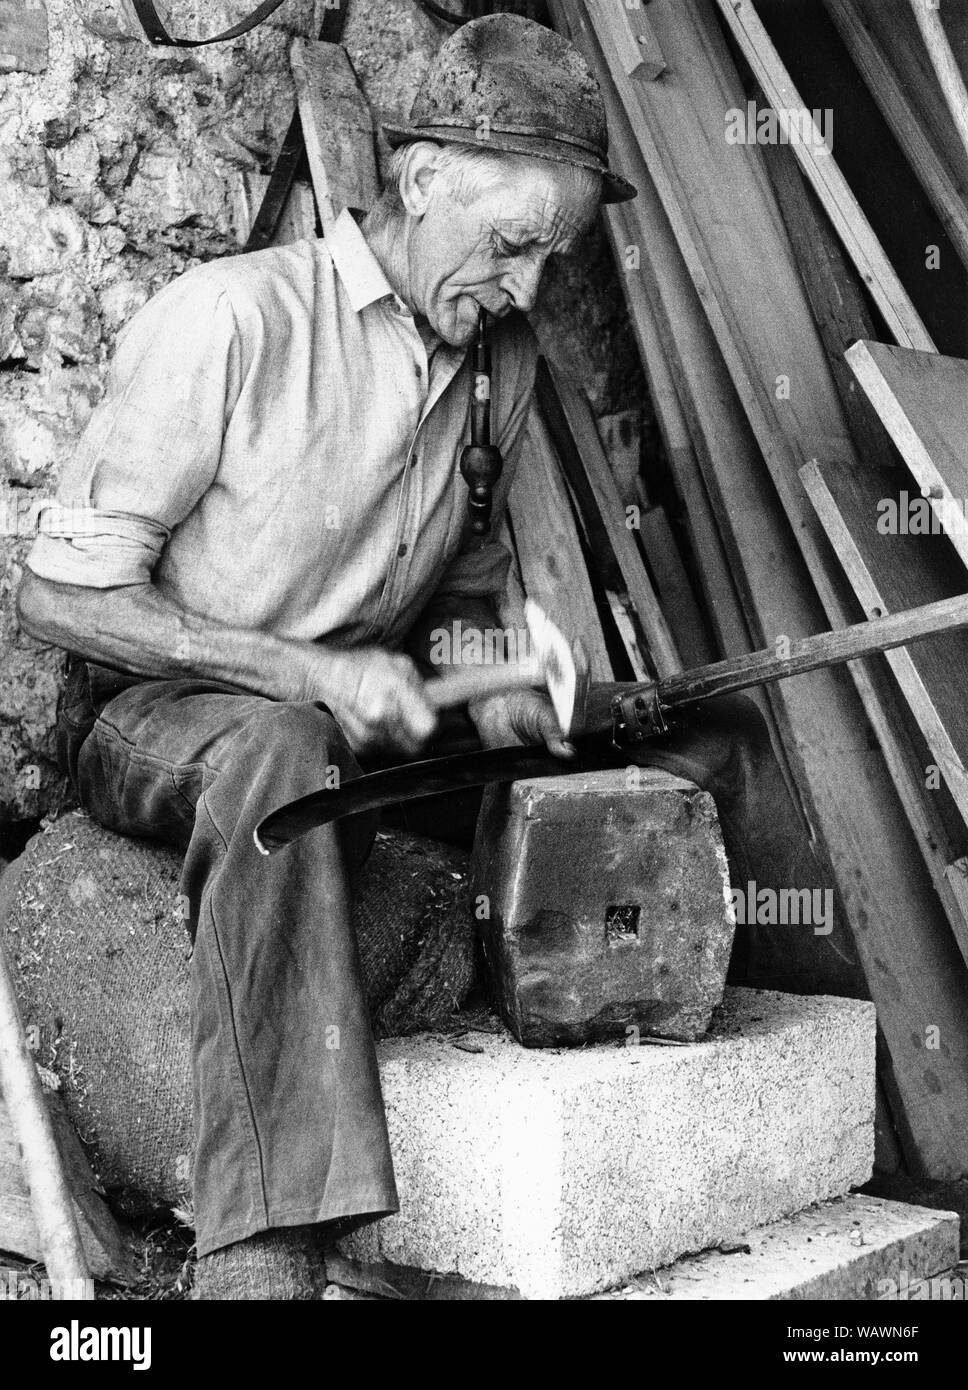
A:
(508, 248)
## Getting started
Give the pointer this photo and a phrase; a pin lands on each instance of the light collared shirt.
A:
(276, 450)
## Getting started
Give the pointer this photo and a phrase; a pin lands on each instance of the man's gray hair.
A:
(465, 172)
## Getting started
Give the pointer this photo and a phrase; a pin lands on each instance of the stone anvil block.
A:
(604, 906)
(554, 1174)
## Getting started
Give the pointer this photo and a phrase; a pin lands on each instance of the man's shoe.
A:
(286, 1263)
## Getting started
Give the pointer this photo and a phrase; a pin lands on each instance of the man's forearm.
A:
(136, 628)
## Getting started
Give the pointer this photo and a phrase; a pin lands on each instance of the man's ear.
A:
(419, 170)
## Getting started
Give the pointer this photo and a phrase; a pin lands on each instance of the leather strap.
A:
(159, 35)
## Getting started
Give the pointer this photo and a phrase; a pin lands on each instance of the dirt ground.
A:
(165, 1258)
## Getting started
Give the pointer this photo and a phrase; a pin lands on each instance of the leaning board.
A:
(922, 399)
(884, 569)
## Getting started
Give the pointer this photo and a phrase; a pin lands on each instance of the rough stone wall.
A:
(121, 166)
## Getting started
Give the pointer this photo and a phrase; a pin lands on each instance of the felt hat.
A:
(506, 83)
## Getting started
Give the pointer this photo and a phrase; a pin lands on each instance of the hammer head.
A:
(564, 667)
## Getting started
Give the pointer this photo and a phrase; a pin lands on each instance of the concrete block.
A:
(850, 1249)
(609, 906)
(558, 1173)
(855, 1248)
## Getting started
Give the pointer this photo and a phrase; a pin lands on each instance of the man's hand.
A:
(521, 716)
(377, 696)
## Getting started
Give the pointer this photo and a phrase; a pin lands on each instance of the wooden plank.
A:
(927, 16)
(640, 54)
(709, 445)
(898, 102)
(591, 459)
(36, 1142)
(728, 228)
(892, 25)
(719, 591)
(621, 616)
(674, 587)
(836, 298)
(957, 876)
(107, 1255)
(298, 219)
(883, 570)
(922, 398)
(337, 128)
(821, 169)
(841, 314)
(621, 436)
(546, 540)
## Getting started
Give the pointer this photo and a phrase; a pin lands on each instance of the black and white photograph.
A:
(484, 669)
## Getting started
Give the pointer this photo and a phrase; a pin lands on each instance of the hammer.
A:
(553, 662)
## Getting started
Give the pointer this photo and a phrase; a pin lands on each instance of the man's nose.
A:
(521, 284)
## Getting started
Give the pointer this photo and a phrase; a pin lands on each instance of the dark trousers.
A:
(289, 1118)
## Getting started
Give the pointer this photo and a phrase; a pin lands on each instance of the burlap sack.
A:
(93, 927)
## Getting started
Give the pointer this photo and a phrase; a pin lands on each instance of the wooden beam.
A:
(337, 128)
(732, 510)
(296, 220)
(107, 1255)
(836, 298)
(892, 25)
(641, 55)
(589, 457)
(726, 224)
(821, 169)
(621, 436)
(841, 314)
(548, 548)
(884, 570)
(897, 99)
(927, 15)
(626, 628)
(719, 591)
(674, 587)
(39, 1152)
(922, 399)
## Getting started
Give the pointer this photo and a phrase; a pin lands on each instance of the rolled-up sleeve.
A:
(480, 569)
(152, 445)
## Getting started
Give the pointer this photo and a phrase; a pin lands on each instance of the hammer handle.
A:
(475, 682)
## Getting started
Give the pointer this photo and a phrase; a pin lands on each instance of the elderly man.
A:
(265, 506)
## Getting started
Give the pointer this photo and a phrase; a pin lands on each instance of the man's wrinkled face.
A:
(491, 252)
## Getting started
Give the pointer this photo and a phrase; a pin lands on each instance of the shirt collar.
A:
(357, 267)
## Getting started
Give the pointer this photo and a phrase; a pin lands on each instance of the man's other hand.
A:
(521, 716)
(377, 696)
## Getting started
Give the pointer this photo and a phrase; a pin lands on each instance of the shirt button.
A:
(401, 550)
